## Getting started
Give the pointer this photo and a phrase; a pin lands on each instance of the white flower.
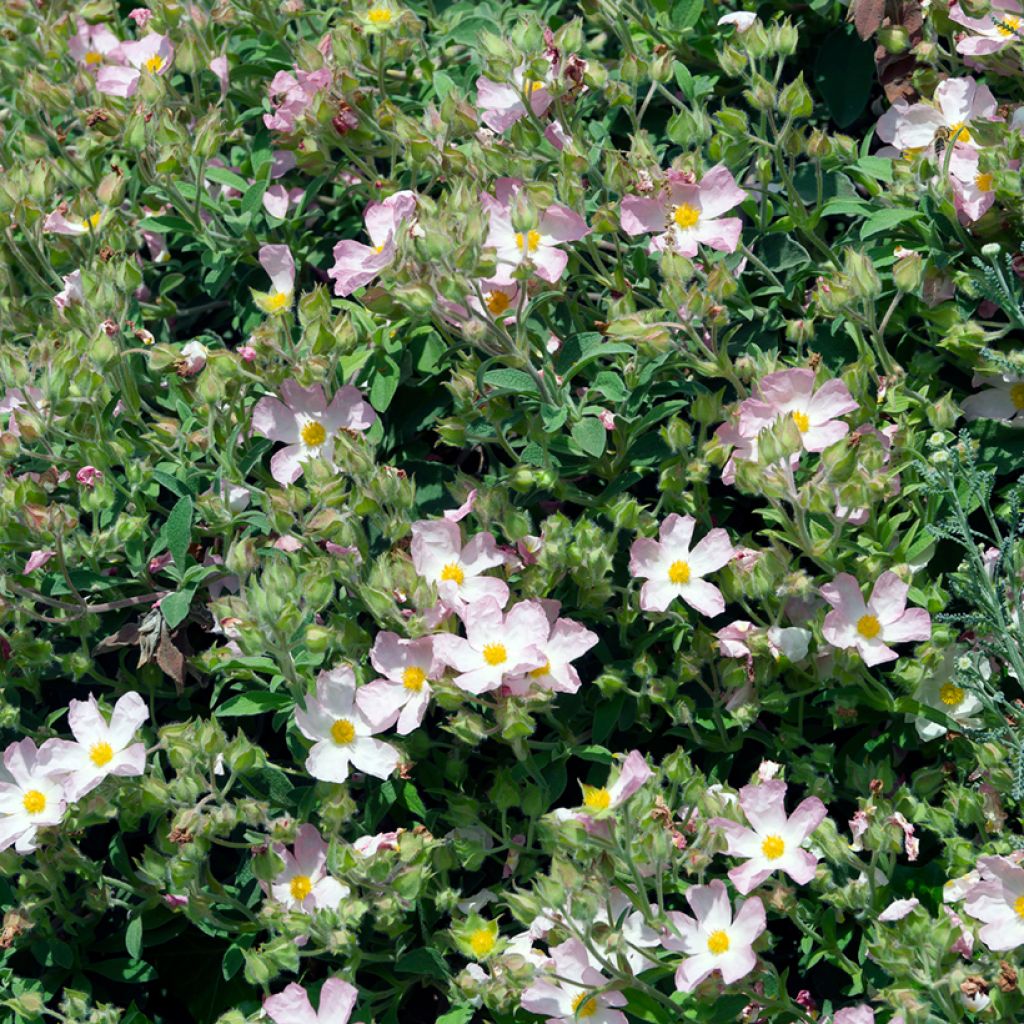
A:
(29, 798)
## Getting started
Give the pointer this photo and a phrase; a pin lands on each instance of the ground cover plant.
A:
(511, 512)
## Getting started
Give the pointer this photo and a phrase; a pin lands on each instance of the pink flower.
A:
(193, 359)
(100, 748)
(790, 642)
(741, 433)
(714, 940)
(620, 787)
(685, 213)
(174, 901)
(141, 16)
(567, 641)
(292, 94)
(955, 104)
(247, 354)
(571, 992)
(37, 560)
(496, 647)
(292, 1006)
(556, 226)
(30, 798)
(304, 883)
(356, 264)
(870, 627)
(277, 200)
(439, 557)
(456, 515)
(502, 103)
(277, 261)
(998, 901)
(367, 846)
(973, 192)
(408, 668)
(775, 841)
(898, 909)
(911, 844)
(341, 732)
(304, 421)
(791, 393)
(219, 66)
(59, 223)
(71, 293)
(862, 1014)
(89, 476)
(673, 570)
(607, 419)
(91, 45)
(1002, 26)
(151, 55)
(1002, 399)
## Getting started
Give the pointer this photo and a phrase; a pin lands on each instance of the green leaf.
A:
(443, 84)
(178, 532)
(133, 938)
(885, 220)
(256, 703)
(253, 198)
(844, 73)
(174, 607)
(589, 434)
(459, 1015)
(411, 799)
(686, 13)
(845, 207)
(517, 381)
(384, 383)
(423, 961)
(223, 176)
(877, 167)
(165, 222)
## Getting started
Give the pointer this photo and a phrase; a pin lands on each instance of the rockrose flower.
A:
(973, 190)
(621, 785)
(30, 798)
(1001, 399)
(713, 940)
(72, 293)
(774, 842)
(567, 641)
(150, 55)
(291, 95)
(408, 668)
(93, 45)
(439, 556)
(342, 734)
(572, 991)
(998, 901)
(307, 425)
(1002, 26)
(956, 103)
(277, 261)
(938, 690)
(100, 748)
(556, 226)
(672, 570)
(869, 628)
(292, 1005)
(502, 103)
(686, 213)
(304, 884)
(356, 264)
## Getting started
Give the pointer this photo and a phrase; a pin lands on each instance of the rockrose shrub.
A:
(511, 512)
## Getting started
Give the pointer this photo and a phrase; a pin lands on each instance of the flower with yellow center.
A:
(539, 673)
(154, 64)
(313, 434)
(380, 16)
(679, 572)
(496, 302)
(93, 221)
(773, 847)
(802, 421)
(101, 753)
(1017, 396)
(413, 678)
(453, 572)
(595, 799)
(951, 695)
(584, 1006)
(34, 802)
(300, 887)
(1009, 25)
(718, 942)
(869, 627)
(482, 941)
(274, 302)
(495, 654)
(984, 183)
(528, 242)
(343, 732)
(686, 216)
(92, 57)
(958, 133)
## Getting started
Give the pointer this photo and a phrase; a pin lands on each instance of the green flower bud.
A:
(861, 274)
(795, 100)
(761, 95)
(908, 273)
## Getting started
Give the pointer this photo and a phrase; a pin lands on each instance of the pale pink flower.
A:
(741, 433)
(100, 748)
(408, 667)
(790, 642)
(862, 1014)
(672, 570)
(1001, 27)
(1001, 399)
(356, 264)
(869, 628)
(741, 19)
(494, 300)
(342, 734)
(175, 901)
(973, 191)
(150, 55)
(279, 264)
(998, 901)
(571, 992)
(89, 476)
(157, 246)
(59, 223)
(502, 104)
(964, 942)
(219, 66)
(456, 515)
(567, 641)
(92, 45)
(898, 909)
(277, 200)
(368, 846)
(497, 646)
(307, 425)
(247, 354)
(775, 841)
(141, 16)
(556, 226)
(292, 94)
(686, 213)
(956, 103)
(30, 798)
(911, 844)
(440, 558)
(292, 1006)
(607, 418)
(713, 940)
(621, 784)
(858, 827)
(303, 883)
(37, 560)
(192, 360)
(71, 293)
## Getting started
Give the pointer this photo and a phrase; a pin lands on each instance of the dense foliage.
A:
(511, 511)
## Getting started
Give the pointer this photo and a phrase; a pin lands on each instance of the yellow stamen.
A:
(495, 654)
(685, 215)
(1009, 25)
(958, 133)
(529, 242)
(34, 802)
(950, 695)
(539, 673)
(497, 302)
(595, 799)
(1018, 906)
(101, 753)
(984, 182)
(584, 1006)
(718, 942)
(300, 887)
(313, 434)
(413, 678)
(773, 847)
(1017, 396)
(453, 571)
(482, 941)
(679, 572)
(343, 732)
(154, 64)
(92, 57)
(869, 627)
(802, 421)
(93, 221)
(275, 302)
(379, 16)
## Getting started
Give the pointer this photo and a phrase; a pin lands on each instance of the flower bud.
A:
(761, 95)
(894, 38)
(908, 273)
(861, 274)
(732, 61)
(795, 100)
